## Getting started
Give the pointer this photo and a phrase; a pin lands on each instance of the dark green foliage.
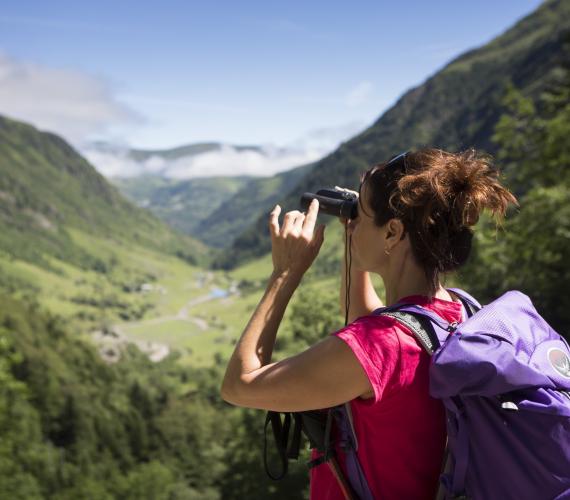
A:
(73, 427)
(248, 478)
(532, 254)
(314, 316)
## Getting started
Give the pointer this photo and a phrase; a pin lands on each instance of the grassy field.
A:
(146, 297)
(203, 327)
(151, 299)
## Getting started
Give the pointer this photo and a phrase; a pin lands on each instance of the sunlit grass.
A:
(179, 310)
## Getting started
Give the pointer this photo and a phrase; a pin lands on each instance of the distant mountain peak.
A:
(205, 159)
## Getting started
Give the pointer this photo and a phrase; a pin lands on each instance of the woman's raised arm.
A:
(327, 373)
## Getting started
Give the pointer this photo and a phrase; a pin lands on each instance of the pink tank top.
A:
(401, 430)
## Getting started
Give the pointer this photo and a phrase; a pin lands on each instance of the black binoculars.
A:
(335, 202)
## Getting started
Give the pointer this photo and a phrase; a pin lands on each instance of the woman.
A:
(414, 221)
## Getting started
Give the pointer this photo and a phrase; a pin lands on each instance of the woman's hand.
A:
(296, 244)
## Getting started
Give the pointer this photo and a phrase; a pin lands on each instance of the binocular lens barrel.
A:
(332, 202)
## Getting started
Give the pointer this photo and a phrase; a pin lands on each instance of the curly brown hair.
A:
(439, 197)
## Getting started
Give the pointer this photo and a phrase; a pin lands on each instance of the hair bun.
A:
(439, 196)
(460, 185)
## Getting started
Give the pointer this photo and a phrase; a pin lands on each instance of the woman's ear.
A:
(395, 232)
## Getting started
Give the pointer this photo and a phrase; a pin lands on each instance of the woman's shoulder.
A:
(376, 342)
(380, 329)
(373, 320)
(372, 332)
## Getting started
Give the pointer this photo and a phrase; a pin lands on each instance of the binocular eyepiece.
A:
(336, 202)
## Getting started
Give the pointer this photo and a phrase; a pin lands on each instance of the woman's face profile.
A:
(367, 244)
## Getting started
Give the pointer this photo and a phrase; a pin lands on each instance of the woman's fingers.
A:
(298, 225)
(295, 244)
(289, 222)
(274, 221)
(310, 219)
(294, 222)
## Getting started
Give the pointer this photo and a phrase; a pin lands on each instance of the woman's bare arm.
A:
(324, 375)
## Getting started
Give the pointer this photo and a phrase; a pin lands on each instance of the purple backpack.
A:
(504, 378)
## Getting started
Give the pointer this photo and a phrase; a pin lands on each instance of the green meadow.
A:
(156, 301)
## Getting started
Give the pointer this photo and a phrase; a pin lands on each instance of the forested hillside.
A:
(47, 189)
(183, 204)
(73, 427)
(532, 253)
(456, 108)
(214, 210)
(70, 239)
(237, 213)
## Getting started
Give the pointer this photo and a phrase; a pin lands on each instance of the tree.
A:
(533, 254)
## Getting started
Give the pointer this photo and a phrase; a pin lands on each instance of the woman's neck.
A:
(404, 278)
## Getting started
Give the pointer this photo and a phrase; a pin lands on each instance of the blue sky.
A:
(161, 74)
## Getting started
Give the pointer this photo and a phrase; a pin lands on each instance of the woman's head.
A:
(435, 198)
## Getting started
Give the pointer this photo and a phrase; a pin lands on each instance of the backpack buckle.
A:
(452, 326)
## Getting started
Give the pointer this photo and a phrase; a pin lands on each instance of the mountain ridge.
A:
(456, 108)
(198, 160)
(212, 209)
(43, 174)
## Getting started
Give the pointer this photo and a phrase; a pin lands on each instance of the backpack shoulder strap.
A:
(422, 329)
(470, 303)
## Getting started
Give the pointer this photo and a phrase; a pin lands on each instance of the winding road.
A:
(110, 344)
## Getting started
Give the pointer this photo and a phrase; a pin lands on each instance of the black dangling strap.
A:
(281, 435)
(295, 446)
(317, 461)
(329, 450)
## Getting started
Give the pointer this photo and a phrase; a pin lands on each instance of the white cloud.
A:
(266, 160)
(68, 102)
(360, 94)
(113, 163)
(228, 160)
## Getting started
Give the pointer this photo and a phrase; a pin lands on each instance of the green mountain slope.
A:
(183, 151)
(68, 235)
(456, 108)
(46, 187)
(214, 210)
(233, 216)
(181, 204)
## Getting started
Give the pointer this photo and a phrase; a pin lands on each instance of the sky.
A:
(162, 74)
